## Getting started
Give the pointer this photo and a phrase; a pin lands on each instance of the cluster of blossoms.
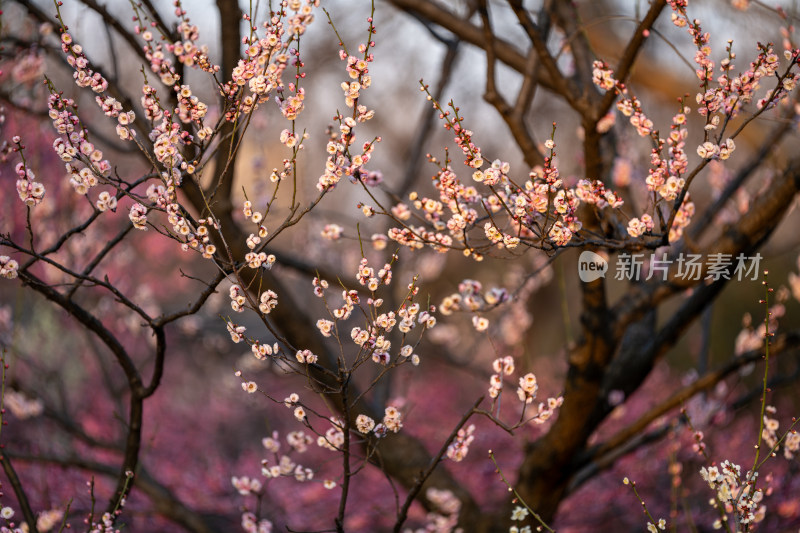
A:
(196, 238)
(718, 104)
(267, 301)
(366, 275)
(341, 161)
(8, 267)
(629, 105)
(528, 387)
(83, 75)
(682, 219)
(246, 486)
(770, 437)
(736, 492)
(284, 465)
(392, 421)
(640, 226)
(20, 406)
(471, 297)
(238, 298)
(167, 139)
(459, 448)
(106, 202)
(191, 109)
(519, 514)
(372, 338)
(501, 366)
(364, 424)
(306, 357)
(255, 217)
(251, 524)
(30, 192)
(281, 465)
(665, 173)
(332, 232)
(236, 332)
(262, 350)
(416, 237)
(540, 206)
(73, 146)
(87, 78)
(595, 193)
(167, 136)
(256, 258)
(46, 521)
(526, 392)
(732, 92)
(185, 49)
(445, 516)
(334, 436)
(138, 216)
(266, 59)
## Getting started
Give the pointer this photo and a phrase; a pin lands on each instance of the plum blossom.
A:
(138, 216)
(8, 267)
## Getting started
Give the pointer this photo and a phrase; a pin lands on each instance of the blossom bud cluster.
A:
(366, 275)
(85, 77)
(306, 357)
(8, 267)
(245, 486)
(459, 448)
(392, 421)
(30, 192)
(281, 465)
(639, 226)
(334, 436)
(501, 366)
(682, 219)
(197, 238)
(236, 331)
(138, 216)
(262, 351)
(185, 49)
(769, 433)
(736, 492)
(74, 147)
(238, 298)
(526, 392)
(332, 232)
(106, 202)
(470, 297)
(540, 205)
(341, 161)
(251, 524)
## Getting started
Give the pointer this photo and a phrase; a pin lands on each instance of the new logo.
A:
(591, 266)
